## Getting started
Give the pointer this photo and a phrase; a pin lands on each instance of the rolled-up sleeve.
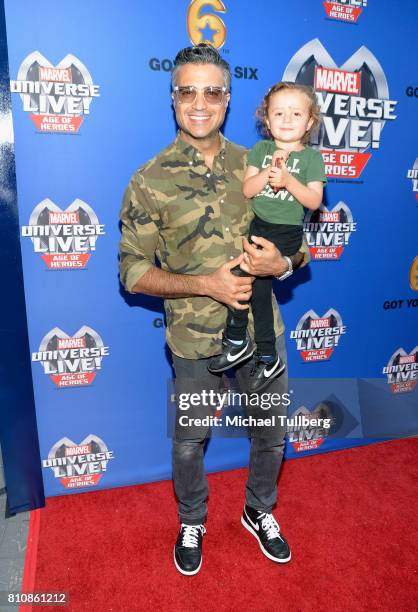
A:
(139, 225)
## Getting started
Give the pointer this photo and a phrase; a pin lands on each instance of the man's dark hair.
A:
(201, 54)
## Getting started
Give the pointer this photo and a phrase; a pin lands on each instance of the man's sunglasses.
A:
(187, 95)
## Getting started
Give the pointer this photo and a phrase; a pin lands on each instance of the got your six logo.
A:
(206, 27)
(57, 97)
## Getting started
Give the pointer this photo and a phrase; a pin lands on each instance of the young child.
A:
(283, 176)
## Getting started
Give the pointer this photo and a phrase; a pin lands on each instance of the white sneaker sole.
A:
(263, 550)
(183, 571)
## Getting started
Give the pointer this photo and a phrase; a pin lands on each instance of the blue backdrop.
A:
(91, 103)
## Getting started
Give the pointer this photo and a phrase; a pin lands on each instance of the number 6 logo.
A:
(206, 28)
(413, 275)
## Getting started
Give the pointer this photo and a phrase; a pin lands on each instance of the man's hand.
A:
(278, 176)
(223, 286)
(267, 261)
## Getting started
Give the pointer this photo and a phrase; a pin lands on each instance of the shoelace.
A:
(191, 534)
(269, 525)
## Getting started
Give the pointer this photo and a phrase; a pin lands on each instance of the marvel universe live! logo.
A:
(402, 370)
(344, 10)
(354, 102)
(71, 361)
(78, 465)
(308, 430)
(327, 232)
(57, 97)
(413, 175)
(316, 337)
(65, 239)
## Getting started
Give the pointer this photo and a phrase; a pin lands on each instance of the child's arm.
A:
(255, 180)
(309, 195)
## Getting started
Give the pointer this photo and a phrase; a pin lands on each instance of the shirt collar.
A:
(192, 153)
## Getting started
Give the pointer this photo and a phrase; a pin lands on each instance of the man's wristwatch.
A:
(288, 272)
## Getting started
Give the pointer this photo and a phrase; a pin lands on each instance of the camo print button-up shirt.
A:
(192, 219)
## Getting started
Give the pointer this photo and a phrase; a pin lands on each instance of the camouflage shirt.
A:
(192, 219)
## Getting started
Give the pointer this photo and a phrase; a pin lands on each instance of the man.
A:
(186, 207)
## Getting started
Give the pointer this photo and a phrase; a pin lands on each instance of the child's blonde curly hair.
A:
(314, 110)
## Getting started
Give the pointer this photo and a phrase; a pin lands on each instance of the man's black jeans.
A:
(267, 443)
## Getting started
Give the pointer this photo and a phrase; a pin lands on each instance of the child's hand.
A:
(279, 154)
(278, 177)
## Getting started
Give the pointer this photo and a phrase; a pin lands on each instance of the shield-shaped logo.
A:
(413, 175)
(65, 238)
(301, 69)
(58, 96)
(402, 370)
(304, 437)
(79, 465)
(71, 361)
(316, 337)
(328, 231)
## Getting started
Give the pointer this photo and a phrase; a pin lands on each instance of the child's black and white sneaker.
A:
(266, 530)
(232, 354)
(188, 549)
(264, 371)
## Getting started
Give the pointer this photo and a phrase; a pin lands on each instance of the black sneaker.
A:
(265, 528)
(263, 372)
(231, 355)
(188, 549)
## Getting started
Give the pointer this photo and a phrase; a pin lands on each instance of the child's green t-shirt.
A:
(281, 207)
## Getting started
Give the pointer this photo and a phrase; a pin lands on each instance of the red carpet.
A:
(350, 516)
